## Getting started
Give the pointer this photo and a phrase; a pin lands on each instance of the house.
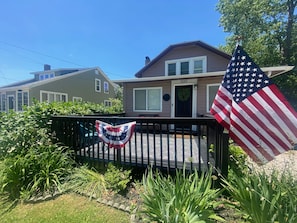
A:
(181, 81)
(71, 84)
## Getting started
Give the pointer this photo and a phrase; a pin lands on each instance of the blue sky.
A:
(114, 35)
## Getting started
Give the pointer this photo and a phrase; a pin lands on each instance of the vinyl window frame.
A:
(97, 85)
(178, 65)
(147, 109)
(208, 99)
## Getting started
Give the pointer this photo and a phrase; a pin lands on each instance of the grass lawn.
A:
(65, 208)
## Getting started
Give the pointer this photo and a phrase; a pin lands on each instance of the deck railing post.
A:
(117, 151)
(225, 154)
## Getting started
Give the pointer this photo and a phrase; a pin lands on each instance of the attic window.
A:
(193, 65)
(171, 69)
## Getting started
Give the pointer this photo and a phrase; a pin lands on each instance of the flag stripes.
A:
(251, 107)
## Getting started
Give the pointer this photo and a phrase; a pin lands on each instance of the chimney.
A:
(47, 67)
(147, 60)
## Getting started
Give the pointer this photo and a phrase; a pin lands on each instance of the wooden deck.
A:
(163, 142)
(166, 150)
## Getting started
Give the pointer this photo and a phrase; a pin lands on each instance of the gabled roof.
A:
(32, 83)
(192, 43)
(19, 83)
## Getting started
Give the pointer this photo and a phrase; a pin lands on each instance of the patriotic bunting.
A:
(115, 136)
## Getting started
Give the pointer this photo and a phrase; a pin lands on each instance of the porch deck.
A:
(178, 151)
(165, 143)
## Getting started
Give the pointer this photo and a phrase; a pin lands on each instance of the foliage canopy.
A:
(267, 30)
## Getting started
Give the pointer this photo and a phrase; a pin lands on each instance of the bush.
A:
(36, 173)
(31, 163)
(117, 178)
(184, 198)
(265, 198)
(87, 181)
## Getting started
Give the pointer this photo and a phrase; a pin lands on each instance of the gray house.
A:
(50, 85)
(181, 81)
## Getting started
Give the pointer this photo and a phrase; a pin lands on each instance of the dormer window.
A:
(46, 76)
(193, 65)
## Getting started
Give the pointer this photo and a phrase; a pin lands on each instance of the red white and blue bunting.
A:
(115, 136)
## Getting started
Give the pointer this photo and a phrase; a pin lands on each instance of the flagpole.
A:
(238, 39)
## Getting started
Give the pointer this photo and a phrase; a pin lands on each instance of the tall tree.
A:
(268, 32)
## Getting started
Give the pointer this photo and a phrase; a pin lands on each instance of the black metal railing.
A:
(165, 143)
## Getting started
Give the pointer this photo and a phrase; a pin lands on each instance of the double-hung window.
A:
(106, 87)
(97, 85)
(193, 65)
(147, 99)
(211, 91)
(22, 100)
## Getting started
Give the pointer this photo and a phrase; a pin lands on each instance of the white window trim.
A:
(148, 88)
(97, 79)
(191, 64)
(106, 92)
(55, 95)
(74, 99)
(17, 98)
(207, 94)
(107, 103)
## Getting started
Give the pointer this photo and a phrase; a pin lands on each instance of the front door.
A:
(183, 101)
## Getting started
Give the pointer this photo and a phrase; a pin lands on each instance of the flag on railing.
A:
(255, 112)
(115, 136)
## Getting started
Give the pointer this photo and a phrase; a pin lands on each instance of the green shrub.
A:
(31, 163)
(184, 198)
(87, 181)
(237, 160)
(265, 198)
(38, 172)
(117, 178)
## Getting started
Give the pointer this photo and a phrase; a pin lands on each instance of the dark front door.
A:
(183, 101)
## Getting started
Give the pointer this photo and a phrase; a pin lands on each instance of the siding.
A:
(80, 85)
(201, 91)
(215, 62)
(166, 89)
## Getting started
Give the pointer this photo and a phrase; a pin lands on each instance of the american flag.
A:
(255, 112)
